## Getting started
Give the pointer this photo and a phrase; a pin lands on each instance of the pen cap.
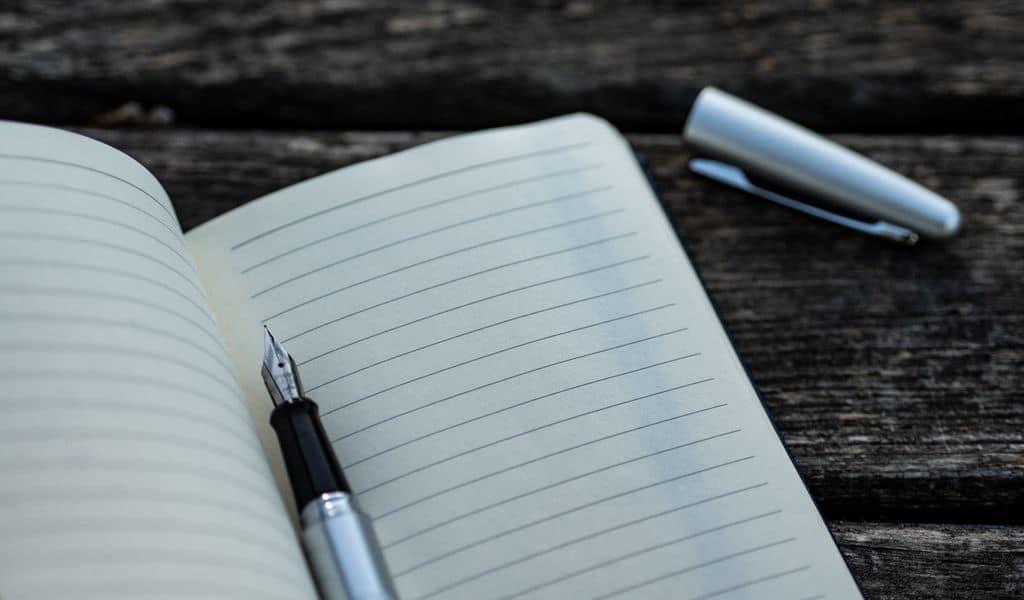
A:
(775, 149)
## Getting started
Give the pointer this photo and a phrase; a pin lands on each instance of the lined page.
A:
(521, 374)
(129, 467)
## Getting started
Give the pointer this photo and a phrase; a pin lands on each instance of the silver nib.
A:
(279, 372)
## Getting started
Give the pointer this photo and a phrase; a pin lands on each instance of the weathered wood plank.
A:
(934, 561)
(844, 65)
(894, 374)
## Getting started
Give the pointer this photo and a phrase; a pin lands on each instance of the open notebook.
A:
(520, 371)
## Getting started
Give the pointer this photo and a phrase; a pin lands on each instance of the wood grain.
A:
(835, 65)
(933, 561)
(894, 374)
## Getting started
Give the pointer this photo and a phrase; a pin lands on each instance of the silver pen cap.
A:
(772, 148)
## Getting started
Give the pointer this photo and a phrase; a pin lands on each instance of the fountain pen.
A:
(339, 541)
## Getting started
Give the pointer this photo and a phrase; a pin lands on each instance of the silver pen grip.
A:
(343, 550)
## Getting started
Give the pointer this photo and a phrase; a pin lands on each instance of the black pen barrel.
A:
(312, 466)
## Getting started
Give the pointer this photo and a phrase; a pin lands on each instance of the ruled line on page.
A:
(255, 496)
(153, 526)
(694, 567)
(99, 244)
(627, 556)
(156, 524)
(34, 289)
(579, 539)
(257, 508)
(94, 349)
(88, 492)
(464, 277)
(514, 406)
(539, 459)
(156, 557)
(752, 582)
(573, 510)
(425, 234)
(434, 205)
(544, 488)
(61, 264)
(68, 434)
(461, 277)
(38, 210)
(493, 353)
(532, 430)
(142, 493)
(108, 376)
(434, 177)
(480, 357)
(507, 378)
(468, 304)
(238, 587)
(93, 170)
(465, 333)
(112, 323)
(78, 190)
(417, 209)
(28, 400)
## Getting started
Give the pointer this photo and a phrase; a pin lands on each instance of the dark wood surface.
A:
(837, 65)
(893, 374)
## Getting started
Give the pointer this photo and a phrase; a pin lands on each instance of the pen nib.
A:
(279, 372)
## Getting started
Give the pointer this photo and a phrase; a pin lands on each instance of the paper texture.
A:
(129, 467)
(521, 373)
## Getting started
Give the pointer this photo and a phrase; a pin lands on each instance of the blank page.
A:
(522, 374)
(129, 467)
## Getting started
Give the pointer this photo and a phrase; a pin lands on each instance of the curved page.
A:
(129, 467)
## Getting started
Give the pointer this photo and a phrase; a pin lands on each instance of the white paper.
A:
(129, 467)
(524, 379)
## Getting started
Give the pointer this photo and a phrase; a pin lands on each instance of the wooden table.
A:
(893, 374)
